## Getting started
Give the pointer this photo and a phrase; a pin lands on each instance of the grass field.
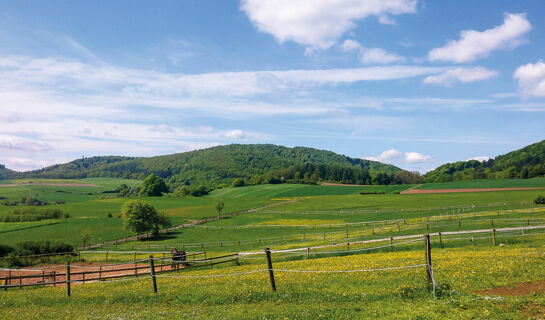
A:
(486, 183)
(322, 215)
(388, 294)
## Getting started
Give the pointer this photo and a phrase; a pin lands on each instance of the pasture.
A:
(461, 275)
(351, 275)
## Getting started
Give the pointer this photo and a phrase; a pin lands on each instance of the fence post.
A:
(54, 278)
(100, 273)
(6, 284)
(68, 278)
(459, 224)
(494, 237)
(152, 270)
(428, 258)
(269, 265)
(440, 240)
(391, 244)
(106, 256)
(135, 270)
(134, 259)
(43, 276)
(308, 252)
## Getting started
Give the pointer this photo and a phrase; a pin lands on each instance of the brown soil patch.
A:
(421, 191)
(534, 311)
(517, 289)
(92, 270)
(48, 184)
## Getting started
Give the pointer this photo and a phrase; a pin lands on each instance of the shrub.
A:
(33, 214)
(372, 192)
(540, 200)
(4, 250)
(238, 182)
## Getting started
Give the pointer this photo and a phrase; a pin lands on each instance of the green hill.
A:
(528, 162)
(6, 173)
(257, 163)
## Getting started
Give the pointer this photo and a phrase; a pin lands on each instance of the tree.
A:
(84, 235)
(238, 182)
(219, 204)
(140, 216)
(153, 186)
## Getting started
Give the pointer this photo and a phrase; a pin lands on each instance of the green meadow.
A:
(301, 216)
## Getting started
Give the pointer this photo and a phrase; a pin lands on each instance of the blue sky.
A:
(409, 82)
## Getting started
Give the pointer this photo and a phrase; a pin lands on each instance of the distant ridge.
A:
(216, 165)
(528, 162)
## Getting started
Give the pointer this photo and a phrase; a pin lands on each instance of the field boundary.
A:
(182, 226)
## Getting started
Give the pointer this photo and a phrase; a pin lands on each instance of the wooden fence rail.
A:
(104, 272)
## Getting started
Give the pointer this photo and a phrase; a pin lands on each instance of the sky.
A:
(414, 83)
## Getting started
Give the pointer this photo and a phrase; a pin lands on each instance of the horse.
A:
(177, 257)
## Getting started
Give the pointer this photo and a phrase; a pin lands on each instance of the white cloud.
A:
(395, 156)
(531, 79)
(371, 55)
(318, 23)
(235, 134)
(378, 56)
(460, 75)
(474, 45)
(415, 157)
(479, 158)
(348, 45)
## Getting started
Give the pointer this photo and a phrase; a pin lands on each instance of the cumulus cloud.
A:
(318, 23)
(531, 79)
(378, 56)
(479, 158)
(474, 44)
(460, 75)
(371, 55)
(395, 156)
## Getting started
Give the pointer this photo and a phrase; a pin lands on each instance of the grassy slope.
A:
(396, 294)
(89, 211)
(487, 183)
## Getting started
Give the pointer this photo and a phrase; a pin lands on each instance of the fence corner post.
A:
(269, 265)
(68, 278)
(494, 237)
(428, 258)
(152, 271)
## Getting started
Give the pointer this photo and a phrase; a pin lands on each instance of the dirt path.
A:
(57, 273)
(422, 191)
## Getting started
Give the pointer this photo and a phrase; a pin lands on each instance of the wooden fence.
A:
(44, 277)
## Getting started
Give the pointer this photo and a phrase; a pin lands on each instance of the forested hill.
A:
(5, 173)
(528, 162)
(223, 164)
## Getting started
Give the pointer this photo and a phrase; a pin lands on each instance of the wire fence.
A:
(391, 226)
(165, 267)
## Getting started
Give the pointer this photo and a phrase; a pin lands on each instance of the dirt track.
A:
(421, 191)
(57, 272)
